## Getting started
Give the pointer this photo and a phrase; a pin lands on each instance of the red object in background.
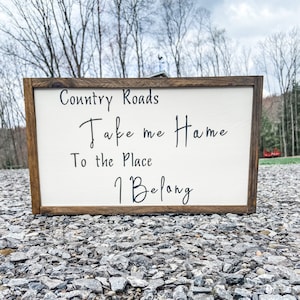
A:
(276, 153)
(269, 154)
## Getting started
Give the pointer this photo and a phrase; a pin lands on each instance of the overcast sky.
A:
(251, 20)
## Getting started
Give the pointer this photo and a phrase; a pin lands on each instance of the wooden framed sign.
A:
(139, 146)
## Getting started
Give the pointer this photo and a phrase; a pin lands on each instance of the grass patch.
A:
(280, 160)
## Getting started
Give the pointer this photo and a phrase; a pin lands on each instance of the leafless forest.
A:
(137, 38)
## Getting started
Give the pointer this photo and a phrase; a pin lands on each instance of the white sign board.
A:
(139, 148)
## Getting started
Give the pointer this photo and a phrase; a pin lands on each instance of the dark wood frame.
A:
(239, 81)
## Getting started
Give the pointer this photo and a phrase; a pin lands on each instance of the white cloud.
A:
(253, 20)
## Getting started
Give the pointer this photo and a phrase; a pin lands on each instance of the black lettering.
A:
(223, 132)
(140, 195)
(109, 101)
(94, 97)
(104, 162)
(185, 128)
(149, 134)
(125, 96)
(125, 158)
(62, 100)
(162, 184)
(210, 132)
(130, 160)
(139, 99)
(72, 100)
(118, 133)
(82, 161)
(197, 134)
(149, 97)
(88, 100)
(119, 179)
(84, 100)
(91, 128)
(75, 158)
(186, 198)
(108, 135)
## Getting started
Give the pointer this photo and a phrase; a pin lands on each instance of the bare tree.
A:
(198, 44)
(121, 29)
(44, 33)
(12, 119)
(177, 17)
(220, 54)
(208, 48)
(243, 60)
(140, 21)
(72, 37)
(99, 28)
(280, 53)
(30, 35)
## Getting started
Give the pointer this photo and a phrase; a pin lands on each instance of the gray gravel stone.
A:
(118, 284)
(203, 297)
(220, 292)
(276, 259)
(18, 257)
(295, 279)
(17, 282)
(266, 278)
(277, 297)
(29, 295)
(52, 283)
(77, 294)
(137, 282)
(155, 283)
(91, 284)
(234, 279)
(50, 296)
(242, 293)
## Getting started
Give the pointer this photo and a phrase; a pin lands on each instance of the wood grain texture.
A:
(32, 146)
(254, 146)
(142, 210)
(143, 82)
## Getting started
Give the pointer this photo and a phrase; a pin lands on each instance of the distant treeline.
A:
(13, 149)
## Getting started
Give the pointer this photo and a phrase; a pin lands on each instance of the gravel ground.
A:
(172, 256)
